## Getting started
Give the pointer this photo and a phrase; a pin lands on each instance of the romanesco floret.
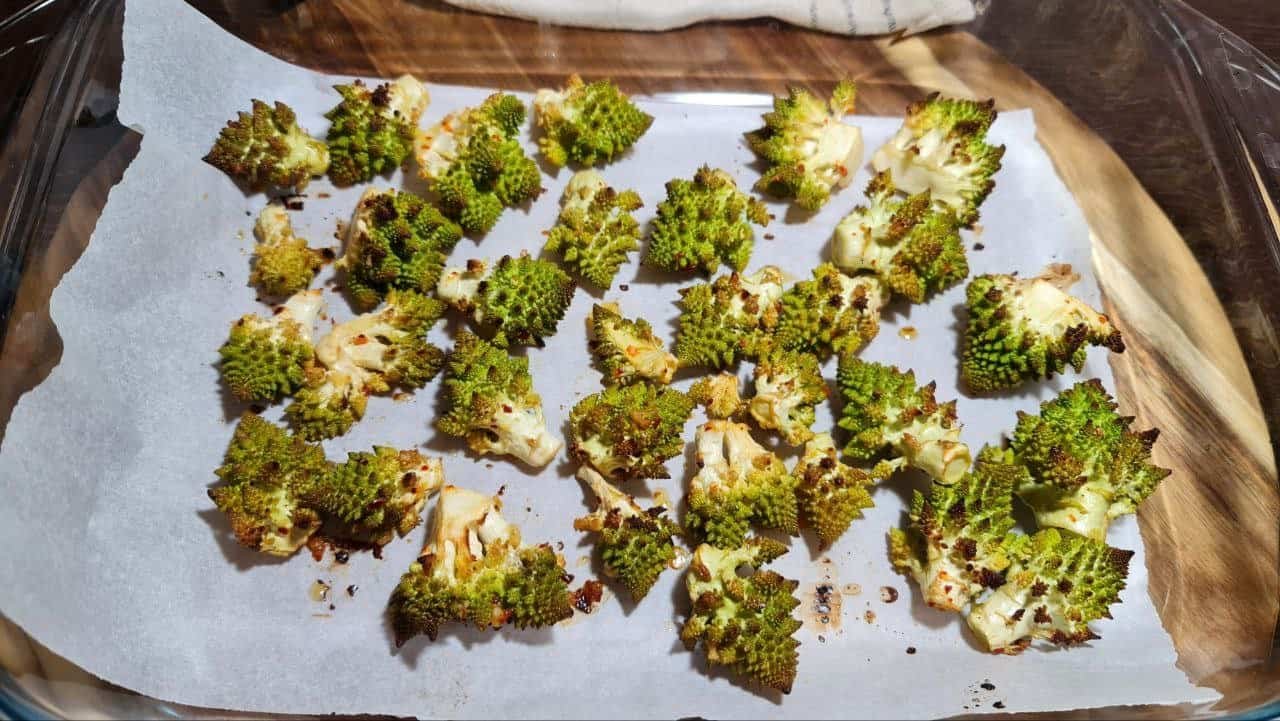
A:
(395, 240)
(491, 403)
(283, 263)
(734, 316)
(626, 350)
(744, 624)
(376, 495)
(832, 312)
(520, 299)
(266, 148)
(942, 147)
(831, 494)
(789, 387)
(630, 431)
(266, 358)
(719, 395)
(912, 247)
(635, 543)
(884, 409)
(473, 160)
(810, 152)
(739, 483)
(474, 570)
(1026, 329)
(1087, 466)
(595, 230)
(587, 123)
(1064, 582)
(371, 131)
(703, 223)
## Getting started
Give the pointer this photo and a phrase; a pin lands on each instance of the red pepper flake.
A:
(506, 408)
(768, 236)
(359, 340)
(911, 650)
(979, 246)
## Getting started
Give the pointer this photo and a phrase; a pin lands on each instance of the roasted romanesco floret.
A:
(395, 240)
(810, 152)
(703, 223)
(266, 148)
(734, 316)
(635, 543)
(789, 387)
(831, 494)
(832, 312)
(266, 358)
(283, 263)
(520, 299)
(744, 623)
(587, 123)
(371, 131)
(627, 432)
(627, 350)
(474, 570)
(595, 230)
(719, 395)
(738, 483)
(913, 248)
(942, 147)
(884, 409)
(1026, 329)
(375, 495)
(491, 402)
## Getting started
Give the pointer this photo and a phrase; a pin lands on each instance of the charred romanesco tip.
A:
(1026, 329)
(912, 247)
(474, 570)
(371, 131)
(738, 483)
(832, 312)
(789, 387)
(395, 240)
(885, 409)
(266, 148)
(595, 230)
(473, 160)
(635, 543)
(719, 395)
(627, 350)
(376, 495)
(520, 299)
(491, 403)
(942, 147)
(630, 431)
(1063, 582)
(810, 152)
(266, 358)
(1087, 466)
(734, 316)
(831, 494)
(587, 123)
(745, 624)
(283, 263)
(703, 223)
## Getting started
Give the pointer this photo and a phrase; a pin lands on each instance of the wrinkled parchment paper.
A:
(118, 561)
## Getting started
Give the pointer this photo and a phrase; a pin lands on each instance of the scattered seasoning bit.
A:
(488, 465)
(319, 591)
(256, 409)
(768, 236)
(851, 589)
(586, 598)
(332, 607)
(988, 686)
(888, 594)
(351, 590)
(911, 650)
(979, 246)
(502, 489)
(624, 287)
(220, 274)
(869, 616)
(248, 213)
(322, 195)
(377, 552)
(559, 545)
(908, 332)
(328, 253)
(342, 556)
(998, 704)
(400, 396)
(822, 639)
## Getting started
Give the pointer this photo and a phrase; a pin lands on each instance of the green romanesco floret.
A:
(520, 299)
(630, 431)
(732, 317)
(831, 494)
(266, 358)
(395, 240)
(912, 247)
(1027, 329)
(283, 263)
(490, 401)
(1087, 465)
(371, 131)
(595, 230)
(942, 147)
(960, 540)
(474, 162)
(809, 151)
(475, 570)
(587, 123)
(703, 223)
(719, 395)
(627, 350)
(1063, 583)
(635, 543)
(739, 483)
(376, 495)
(789, 387)
(266, 148)
(831, 312)
(884, 409)
(745, 624)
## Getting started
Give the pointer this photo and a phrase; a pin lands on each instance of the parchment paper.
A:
(119, 562)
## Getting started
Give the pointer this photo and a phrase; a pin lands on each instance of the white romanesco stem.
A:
(1086, 513)
(836, 150)
(993, 622)
(943, 580)
(408, 99)
(460, 287)
(550, 104)
(360, 225)
(765, 285)
(419, 484)
(1041, 305)
(303, 308)
(857, 243)
(713, 465)
(582, 189)
(776, 397)
(437, 147)
(937, 451)
(521, 432)
(650, 361)
(609, 498)
(273, 225)
(921, 163)
(465, 523)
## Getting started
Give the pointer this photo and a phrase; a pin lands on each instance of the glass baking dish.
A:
(1192, 111)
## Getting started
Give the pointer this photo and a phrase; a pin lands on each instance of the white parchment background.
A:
(118, 561)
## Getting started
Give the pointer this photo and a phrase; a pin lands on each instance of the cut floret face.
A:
(704, 223)
(267, 358)
(371, 130)
(830, 313)
(266, 148)
(789, 387)
(739, 483)
(595, 230)
(831, 495)
(627, 350)
(376, 495)
(519, 300)
(631, 431)
(283, 263)
(719, 395)
(636, 544)
(587, 123)
(732, 317)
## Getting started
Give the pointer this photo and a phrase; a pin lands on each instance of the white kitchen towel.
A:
(847, 17)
